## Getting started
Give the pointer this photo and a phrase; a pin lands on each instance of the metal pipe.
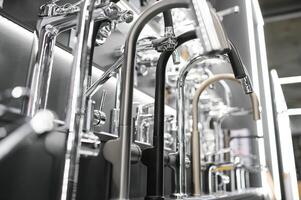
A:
(105, 76)
(224, 85)
(118, 151)
(39, 74)
(115, 110)
(195, 134)
(118, 89)
(76, 103)
(243, 178)
(238, 178)
(181, 121)
(210, 174)
(93, 41)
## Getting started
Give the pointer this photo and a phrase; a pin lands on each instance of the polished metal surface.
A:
(39, 74)
(106, 76)
(19, 42)
(47, 30)
(246, 84)
(86, 140)
(211, 177)
(181, 110)
(118, 151)
(52, 9)
(76, 103)
(181, 190)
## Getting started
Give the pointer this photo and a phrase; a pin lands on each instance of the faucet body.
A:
(155, 177)
(118, 151)
(49, 26)
(39, 74)
(181, 107)
(157, 152)
(82, 15)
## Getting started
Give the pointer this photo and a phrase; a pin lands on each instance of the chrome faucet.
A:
(202, 62)
(76, 103)
(50, 24)
(121, 146)
(118, 151)
(53, 20)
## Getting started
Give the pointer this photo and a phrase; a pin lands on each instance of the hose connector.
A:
(166, 43)
(246, 85)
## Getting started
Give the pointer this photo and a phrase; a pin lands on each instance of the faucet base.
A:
(178, 196)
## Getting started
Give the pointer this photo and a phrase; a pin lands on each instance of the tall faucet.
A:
(195, 133)
(53, 20)
(155, 168)
(118, 151)
(202, 61)
(76, 103)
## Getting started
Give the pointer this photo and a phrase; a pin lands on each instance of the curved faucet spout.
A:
(202, 61)
(121, 146)
(195, 134)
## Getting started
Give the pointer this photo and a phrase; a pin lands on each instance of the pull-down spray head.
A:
(239, 69)
(214, 39)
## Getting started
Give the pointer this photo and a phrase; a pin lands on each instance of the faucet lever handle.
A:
(102, 99)
(228, 11)
(100, 116)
